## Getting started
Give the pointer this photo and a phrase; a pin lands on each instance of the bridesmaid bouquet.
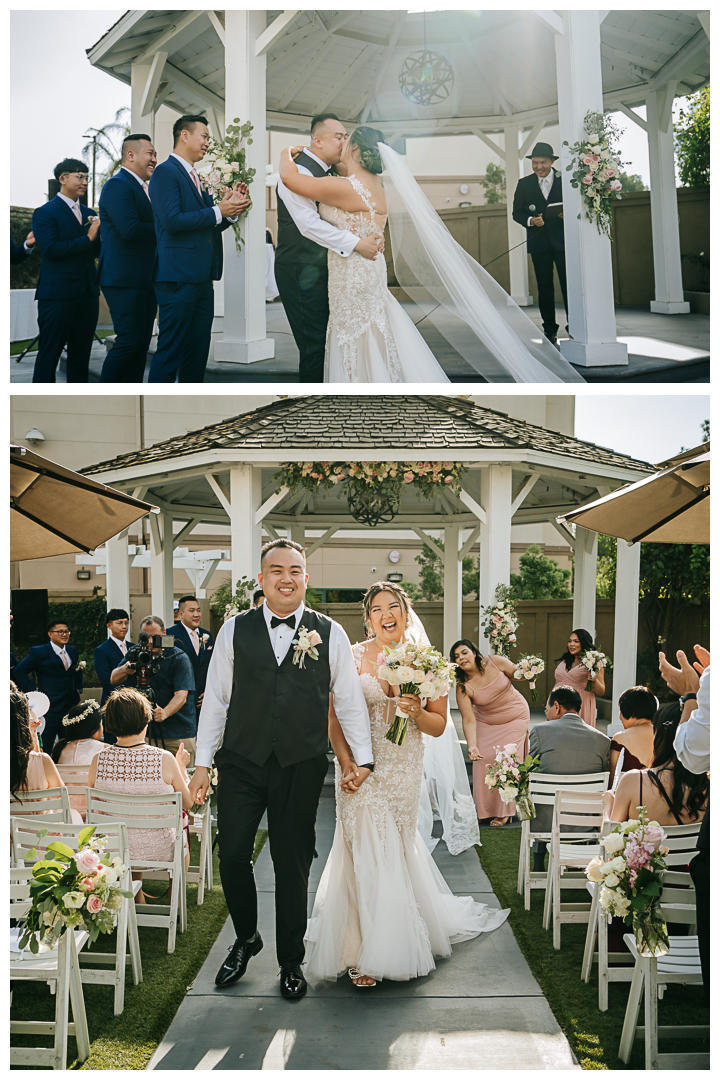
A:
(528, 668)
(593, 659)
(510, 777)
(631, 881)
(416, 669)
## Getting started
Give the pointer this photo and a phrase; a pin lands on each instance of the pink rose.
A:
(94, 904)
(588, 179)
(448, 479)
(86, 860)
(408, 477)
(314, 638)
(587, 159)
(494, 633)
(88, 884)
(616, 186)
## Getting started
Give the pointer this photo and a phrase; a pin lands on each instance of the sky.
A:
(43, 134)
(645, 426)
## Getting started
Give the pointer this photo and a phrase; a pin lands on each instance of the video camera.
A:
(146, 663)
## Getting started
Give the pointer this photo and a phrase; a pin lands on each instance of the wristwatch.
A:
(369, 766)
(687, 697)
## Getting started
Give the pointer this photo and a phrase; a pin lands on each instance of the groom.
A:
(303, 239)
(268, 699)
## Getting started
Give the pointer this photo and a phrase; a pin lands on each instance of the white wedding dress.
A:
(382, 906)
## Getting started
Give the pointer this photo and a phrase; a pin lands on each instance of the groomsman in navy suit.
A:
(68, 235)
(189, 247)
(20, 252)
(193, 639)
(127, 260)
(112, 652)
(56, 670)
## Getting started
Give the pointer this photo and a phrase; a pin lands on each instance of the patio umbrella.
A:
(670, 507)
(55, 511)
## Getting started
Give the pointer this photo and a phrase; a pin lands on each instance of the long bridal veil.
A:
(458, 296)
(446, 791)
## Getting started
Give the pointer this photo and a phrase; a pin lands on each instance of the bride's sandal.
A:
(356, 975)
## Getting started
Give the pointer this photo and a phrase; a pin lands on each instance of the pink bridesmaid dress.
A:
(577, 677)
(503, 716)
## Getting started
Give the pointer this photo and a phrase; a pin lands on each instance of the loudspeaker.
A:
(30, 616)
(54, 188)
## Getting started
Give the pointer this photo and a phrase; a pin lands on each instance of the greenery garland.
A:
(427, 476)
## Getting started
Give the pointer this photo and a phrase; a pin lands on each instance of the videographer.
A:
(173, 686)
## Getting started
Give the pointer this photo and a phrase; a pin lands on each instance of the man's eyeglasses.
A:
(62, 633)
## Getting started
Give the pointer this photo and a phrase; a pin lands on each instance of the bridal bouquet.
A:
(416, 669)
(630, 876)
(499, 622)
(595, 169)
(72, 890)
(510, 777)
(528, 668)
(593, 660)
(211, 796)
(224, 166)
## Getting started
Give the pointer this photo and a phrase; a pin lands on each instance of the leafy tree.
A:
(540, 578)
(606, 567)
(692, 140)
(632, 182)
(494, 184)
(108, 141)
(705, 428)
(431, 585)
(241, 598)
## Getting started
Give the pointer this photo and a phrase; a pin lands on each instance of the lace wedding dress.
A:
(370, 337)
(382, 905)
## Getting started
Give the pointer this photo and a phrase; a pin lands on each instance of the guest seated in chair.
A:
(133, 767)
(82, 742)
(30, 769)
(633, 748)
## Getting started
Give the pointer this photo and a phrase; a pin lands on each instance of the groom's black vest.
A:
(279, 709)
(292, 247)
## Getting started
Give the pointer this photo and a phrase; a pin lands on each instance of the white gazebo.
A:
(517, 473)
(515, 73)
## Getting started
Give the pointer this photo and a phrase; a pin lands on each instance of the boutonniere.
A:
(81, 665)
(305, 644)
(204, 641)
(89, 221)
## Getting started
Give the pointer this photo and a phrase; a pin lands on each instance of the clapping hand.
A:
(686, 678)
(182, 756)
(30, 239)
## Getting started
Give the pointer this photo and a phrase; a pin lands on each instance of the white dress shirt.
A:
(62, 654)
(692, 741)
(344, 686)
(546, 183)
(189, 168)
(120, 644)
(304, 213)
(72, 203)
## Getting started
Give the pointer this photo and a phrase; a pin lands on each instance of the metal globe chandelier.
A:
(426, 77)
(374, 505)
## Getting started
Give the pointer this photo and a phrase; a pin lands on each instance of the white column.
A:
(624, 656)
(585, 583)
(452, 596)
(496, 501)
(161, 566)
(244, 338)
(669, 296)
(519, 289)
(118, 572)
(245, 535)
(587, 253)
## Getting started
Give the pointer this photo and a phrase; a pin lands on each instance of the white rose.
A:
(405, 674)
(618, 864)
(227, 177)
(386, 673)
(611, 880)
(108, 873)
(314, 638)
(74, 900)
(613, 842)
(426, 689)
(621, 903)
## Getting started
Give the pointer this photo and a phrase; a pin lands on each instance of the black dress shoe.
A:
(292, 982)
(237, 960)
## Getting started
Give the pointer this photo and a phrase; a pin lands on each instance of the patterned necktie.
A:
(146, 189)
(78, 215)
(196, 180)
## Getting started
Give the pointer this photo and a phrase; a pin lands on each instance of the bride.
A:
(371, 338)
(382, 908)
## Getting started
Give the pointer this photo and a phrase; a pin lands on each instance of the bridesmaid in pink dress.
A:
(494, 713)
(570, 672)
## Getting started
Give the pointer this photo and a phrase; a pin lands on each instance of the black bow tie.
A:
(274, 621)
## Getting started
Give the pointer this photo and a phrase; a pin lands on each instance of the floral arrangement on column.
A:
(427, 476)
(224, 166)
(499, 622)
(595, 169)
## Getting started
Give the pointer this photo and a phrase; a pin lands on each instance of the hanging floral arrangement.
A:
(427, 476)
(595, 169)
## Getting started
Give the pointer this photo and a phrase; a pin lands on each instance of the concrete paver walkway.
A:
(480, 1009)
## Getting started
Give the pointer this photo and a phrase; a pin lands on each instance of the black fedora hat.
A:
(542, 149)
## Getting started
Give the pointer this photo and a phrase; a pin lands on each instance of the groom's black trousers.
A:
(291, 796)
(303, 290)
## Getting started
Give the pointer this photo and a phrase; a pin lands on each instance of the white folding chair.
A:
(24, 839)
(681, 840)
(53, 803)
(162, 811)
(58, 967)
(582, 810)
(75, 778)
(201, 827)
(542, 790)
(680, 965)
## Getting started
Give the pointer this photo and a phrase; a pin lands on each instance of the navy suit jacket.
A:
(528, 193)
(108, 656)
(61, 686)
(18, 253)
(200, 661)
(189, 244)
(128, 234)
(67, 270)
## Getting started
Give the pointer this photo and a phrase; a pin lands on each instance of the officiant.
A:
(537, 206)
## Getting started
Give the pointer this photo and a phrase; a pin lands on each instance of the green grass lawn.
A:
(593, 1035)
(16, 347)
(129, 1041)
